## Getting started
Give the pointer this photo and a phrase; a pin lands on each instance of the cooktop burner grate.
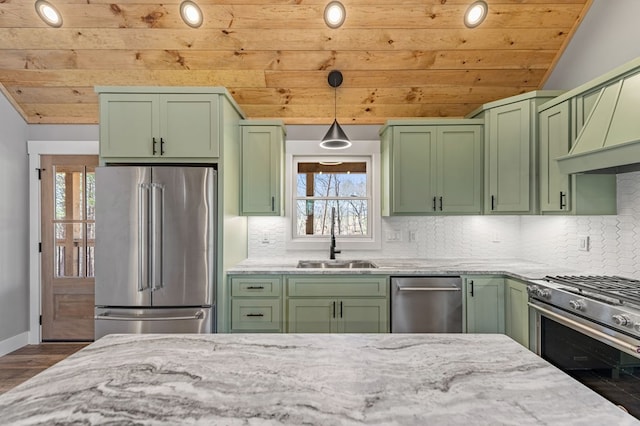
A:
(625, 289)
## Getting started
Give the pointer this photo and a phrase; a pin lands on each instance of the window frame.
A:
(310, 151)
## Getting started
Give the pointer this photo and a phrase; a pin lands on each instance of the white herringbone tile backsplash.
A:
(614, 247)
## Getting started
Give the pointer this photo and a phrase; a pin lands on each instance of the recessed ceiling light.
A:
(191, 14)
(48, 13)
(476, 13)
(334, 14)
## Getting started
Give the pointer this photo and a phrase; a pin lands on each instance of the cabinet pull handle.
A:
(563, 202)
(273, 204)
(471, 283)
(255, 315)
(493, 202)
(440, 203)
(434, 204)
(153, 146)
(334, 309)
(161, 146)
(340, 309)
(255, 287)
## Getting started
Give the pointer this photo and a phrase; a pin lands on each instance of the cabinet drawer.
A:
(255, 314)
(258, 287)
(337, 286)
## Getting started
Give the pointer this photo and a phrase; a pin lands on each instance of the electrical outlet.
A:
(412, 236)
(394, 235)
(583, 242)
(266, 239)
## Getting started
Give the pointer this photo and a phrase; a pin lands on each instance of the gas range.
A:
(608, 300)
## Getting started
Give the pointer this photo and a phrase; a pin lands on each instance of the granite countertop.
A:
(327, 379)
(516, 268)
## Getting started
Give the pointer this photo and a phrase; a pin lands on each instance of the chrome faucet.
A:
(332, 247)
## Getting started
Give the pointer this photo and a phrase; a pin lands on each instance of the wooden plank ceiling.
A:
(399, 58)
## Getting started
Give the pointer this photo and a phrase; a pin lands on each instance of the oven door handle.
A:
(596, 334)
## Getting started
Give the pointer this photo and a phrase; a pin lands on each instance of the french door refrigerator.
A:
(155, 249)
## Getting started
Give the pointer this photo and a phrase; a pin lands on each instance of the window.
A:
(319, 182)
(327, 187)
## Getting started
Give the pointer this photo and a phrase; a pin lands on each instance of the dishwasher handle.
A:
(400, 288)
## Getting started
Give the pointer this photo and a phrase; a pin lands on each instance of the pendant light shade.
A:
(335, 138)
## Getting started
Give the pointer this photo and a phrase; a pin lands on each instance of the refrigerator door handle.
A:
(115, 317)
(143, 237)
(157, 222)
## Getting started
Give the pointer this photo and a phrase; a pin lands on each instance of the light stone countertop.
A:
(525, 270)
(319, 379)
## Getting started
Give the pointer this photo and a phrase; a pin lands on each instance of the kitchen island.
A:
(346, 379)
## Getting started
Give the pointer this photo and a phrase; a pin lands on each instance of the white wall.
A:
(14, 225)
(607, 38)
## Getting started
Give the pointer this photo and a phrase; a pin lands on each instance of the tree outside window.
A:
(322, 186)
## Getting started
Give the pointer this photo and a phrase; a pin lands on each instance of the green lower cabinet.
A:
(517, 311)
(366, 315)
(337, 304)
(484, 304)
(256, 304)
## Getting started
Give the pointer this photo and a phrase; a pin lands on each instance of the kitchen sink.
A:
(337, 264)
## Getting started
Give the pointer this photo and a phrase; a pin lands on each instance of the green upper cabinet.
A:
(484, 301)
(161, 123)
(432, 167)
(261, 168)
(588, 194)
(511, 131)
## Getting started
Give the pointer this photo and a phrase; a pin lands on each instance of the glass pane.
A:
(91, 242)
(69, 192)
(332, 180)
(69, 250)
(314, 217)
(91, 192)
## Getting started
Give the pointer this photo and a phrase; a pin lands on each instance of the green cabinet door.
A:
(485, 304)
(129, 125)
(367, 315)
(585, 194)
(517, 311)
(555, 141)
(261, 169)
(189, 125)
(459, 169)
(316, 315)
(508, 156)
(413, 169)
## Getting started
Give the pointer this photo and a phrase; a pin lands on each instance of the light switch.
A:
(583, 242)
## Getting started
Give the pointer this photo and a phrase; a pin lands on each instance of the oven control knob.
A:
(578, 305)
(543, 292)
(637, 326)
(621, 320)
(531, 289)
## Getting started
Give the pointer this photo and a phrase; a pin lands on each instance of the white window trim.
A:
(310, 149)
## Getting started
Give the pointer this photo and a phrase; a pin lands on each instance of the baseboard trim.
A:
(12, 343)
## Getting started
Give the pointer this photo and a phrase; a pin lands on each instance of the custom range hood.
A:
(609, 141)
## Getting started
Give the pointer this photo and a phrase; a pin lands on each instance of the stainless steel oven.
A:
(589, 327)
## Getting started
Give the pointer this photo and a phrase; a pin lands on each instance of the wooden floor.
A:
(26, 362)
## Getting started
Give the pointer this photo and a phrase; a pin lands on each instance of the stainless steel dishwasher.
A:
(426, 304)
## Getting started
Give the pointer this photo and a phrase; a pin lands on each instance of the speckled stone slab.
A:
(321, 379)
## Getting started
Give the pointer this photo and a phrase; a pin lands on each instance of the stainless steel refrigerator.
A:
(155, 249)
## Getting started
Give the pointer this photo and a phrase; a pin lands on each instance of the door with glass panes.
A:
(67, 237)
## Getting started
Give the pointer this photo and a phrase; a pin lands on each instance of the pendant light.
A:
(335, 137)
